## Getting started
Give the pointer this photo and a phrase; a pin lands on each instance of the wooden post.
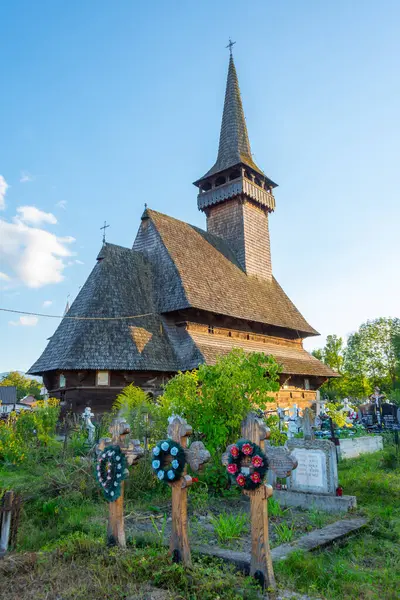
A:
(119, 429)
(261, 568)
(196, 456)
(5, 514)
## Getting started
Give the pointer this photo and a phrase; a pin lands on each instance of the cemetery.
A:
(142, 492)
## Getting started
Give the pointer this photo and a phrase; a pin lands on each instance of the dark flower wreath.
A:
(168, 461)
(247, 464)
(110, 471)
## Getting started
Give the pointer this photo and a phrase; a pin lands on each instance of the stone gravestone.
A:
(367, 415)
(315, 480)
(390, 416)
(316, 466)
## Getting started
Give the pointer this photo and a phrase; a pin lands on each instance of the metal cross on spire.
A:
(104, 231)
(230, 46)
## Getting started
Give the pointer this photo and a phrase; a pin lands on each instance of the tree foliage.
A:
(371, 358)
(25, 385)
(141, 412)
(215, 398)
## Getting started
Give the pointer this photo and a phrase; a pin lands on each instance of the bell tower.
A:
(235, 194)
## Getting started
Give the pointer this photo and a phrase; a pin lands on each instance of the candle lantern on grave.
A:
(170, 458)
(114, 455)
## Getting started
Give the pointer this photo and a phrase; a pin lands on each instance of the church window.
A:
(206, 186)
(102, 378)
(210, 329)
(63, 381)
(229, 333)
(306, 384)
(257, 181)
(247, 337)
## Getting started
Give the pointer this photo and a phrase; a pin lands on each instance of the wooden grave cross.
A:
(133, 451)
(196, 456)
(255, 430)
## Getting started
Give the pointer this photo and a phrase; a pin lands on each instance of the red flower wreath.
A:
(247, 464)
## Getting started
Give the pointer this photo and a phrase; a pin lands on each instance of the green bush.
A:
(216, 398)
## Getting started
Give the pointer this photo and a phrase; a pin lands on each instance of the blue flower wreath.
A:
(111, 471)
(168, 461)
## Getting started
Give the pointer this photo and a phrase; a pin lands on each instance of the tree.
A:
(332, 353)
(215, 398)
(25, 386)
(373, 352)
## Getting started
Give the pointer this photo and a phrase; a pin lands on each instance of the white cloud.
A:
(34, 216)
(26, 321)
(4, 276)
(47, 303)
(3, 190)
(26, 177)
(62, 204)
(34, 256)
(79, 262)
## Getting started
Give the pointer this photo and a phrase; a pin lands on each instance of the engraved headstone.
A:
(317, 466)
(390, 415)
(367, 415)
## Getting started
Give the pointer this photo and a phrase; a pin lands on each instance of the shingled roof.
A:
(234, 145)
(120, 285)
(200, 271)
(172, 266)
(294, 360)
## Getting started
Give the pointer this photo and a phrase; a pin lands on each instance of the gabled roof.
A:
(120, 285)
(172, 266)
(234, 145)
(203, 273)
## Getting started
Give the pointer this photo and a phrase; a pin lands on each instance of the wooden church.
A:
(190, 295)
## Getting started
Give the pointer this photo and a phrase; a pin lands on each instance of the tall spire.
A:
(235, 194)
(234, 145)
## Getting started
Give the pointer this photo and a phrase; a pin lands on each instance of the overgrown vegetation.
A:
(230, 527)
(367, 566)
(370, 358)
(29, 432)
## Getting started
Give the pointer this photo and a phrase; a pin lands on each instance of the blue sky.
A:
(108, 105)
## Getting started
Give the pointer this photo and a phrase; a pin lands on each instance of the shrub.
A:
(22, 434)
(216, 398)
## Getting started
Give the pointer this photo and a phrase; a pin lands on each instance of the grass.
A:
(62, 553)
(366, 566)
(284, 532)
(230, 527)
(317, 518)
(275, 509)
(82, 567)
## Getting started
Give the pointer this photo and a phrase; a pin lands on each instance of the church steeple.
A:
(235, 194)
(234, 145)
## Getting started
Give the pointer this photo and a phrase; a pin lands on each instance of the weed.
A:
(229, 527)
(275, 509)
(284, 532)
(317, 518)
(160, 533)
(198, 496)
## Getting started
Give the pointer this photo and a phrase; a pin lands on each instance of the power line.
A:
(22, 312)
